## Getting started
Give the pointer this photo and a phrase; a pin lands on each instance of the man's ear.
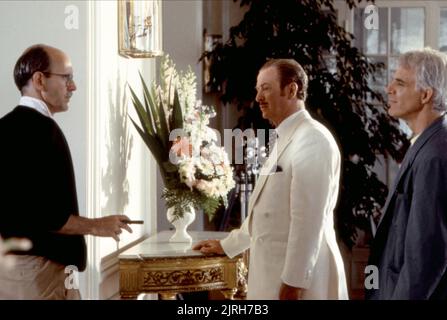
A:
(38, 80)
(427, 95)
(292, 90)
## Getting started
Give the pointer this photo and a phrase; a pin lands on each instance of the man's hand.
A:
(111, 226)
(209, 246)
(287, 292)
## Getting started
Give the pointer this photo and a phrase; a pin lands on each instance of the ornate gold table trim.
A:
(168, 276)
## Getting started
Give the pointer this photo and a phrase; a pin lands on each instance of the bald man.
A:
(38, 197)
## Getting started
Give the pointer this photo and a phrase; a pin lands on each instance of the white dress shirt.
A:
(287, 122)
(36, 104)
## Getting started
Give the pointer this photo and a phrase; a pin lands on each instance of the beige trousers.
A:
(35, 278)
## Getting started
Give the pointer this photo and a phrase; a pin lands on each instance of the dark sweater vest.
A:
(37, 186)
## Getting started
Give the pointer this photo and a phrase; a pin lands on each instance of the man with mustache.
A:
(290, 225)
(410, 245)
(38, 198)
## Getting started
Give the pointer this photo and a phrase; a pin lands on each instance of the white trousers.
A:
(35, 278)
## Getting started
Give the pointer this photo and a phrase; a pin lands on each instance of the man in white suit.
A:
(289, 229)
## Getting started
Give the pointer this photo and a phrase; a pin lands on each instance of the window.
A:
(443, 30)
(403, 25)
(400, 30)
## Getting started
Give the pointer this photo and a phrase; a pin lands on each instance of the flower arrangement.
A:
(175, 127)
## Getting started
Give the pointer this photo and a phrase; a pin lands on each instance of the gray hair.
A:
(430, 67)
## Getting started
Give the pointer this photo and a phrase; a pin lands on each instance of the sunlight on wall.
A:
(125, 163)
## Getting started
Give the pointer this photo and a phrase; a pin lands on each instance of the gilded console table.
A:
(167, 268)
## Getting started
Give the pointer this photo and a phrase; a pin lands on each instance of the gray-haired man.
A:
(410, 246)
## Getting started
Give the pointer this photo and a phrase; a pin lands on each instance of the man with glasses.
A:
(37, 187)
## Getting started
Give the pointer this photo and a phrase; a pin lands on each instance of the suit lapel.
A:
(266, 170)
(409, 159)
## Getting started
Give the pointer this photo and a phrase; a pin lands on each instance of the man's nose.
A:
(72, 86)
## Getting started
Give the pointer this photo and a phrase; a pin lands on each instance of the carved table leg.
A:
(168, 296)
(242, 273)
(229, 293)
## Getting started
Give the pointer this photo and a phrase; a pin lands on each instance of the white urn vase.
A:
(181, 224)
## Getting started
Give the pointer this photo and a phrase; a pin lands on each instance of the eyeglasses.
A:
(68, 76)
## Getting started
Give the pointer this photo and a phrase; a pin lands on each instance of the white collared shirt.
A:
(287, 122)
(413, 139)
(36, 104)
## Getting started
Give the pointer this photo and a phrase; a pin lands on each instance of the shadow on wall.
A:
(119, 145)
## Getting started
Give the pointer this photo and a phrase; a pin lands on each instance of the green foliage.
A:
(181, 197)
(339, 94)
(155, 126)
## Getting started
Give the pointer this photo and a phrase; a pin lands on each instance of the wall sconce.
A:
(139, 28)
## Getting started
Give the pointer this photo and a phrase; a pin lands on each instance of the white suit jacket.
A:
(290, 227)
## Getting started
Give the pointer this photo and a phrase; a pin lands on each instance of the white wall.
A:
(124, 159)
(182, 34)
(126, 176)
